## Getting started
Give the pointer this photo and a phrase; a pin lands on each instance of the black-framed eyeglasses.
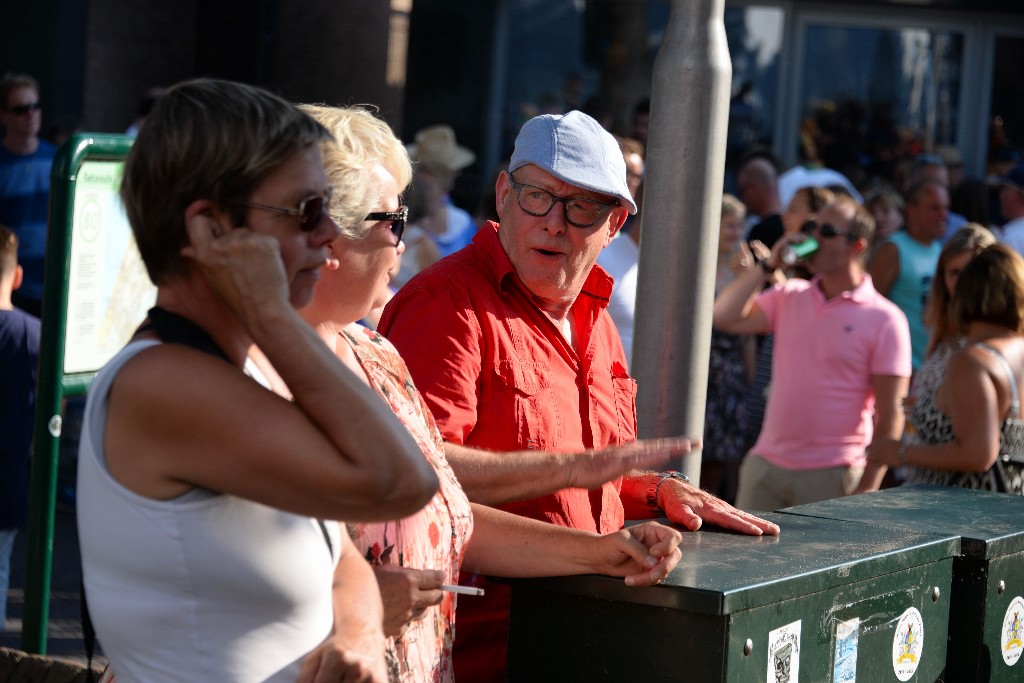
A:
(578, 212)
(825, 230)
(23, 109)
(398, 220)
(309, 211)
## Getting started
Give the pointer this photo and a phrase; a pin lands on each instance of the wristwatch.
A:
(655, 486)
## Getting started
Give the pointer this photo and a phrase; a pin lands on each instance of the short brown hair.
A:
(991, 289)
(8, 250)
(205, 139)
(11, 82)
(862, 223)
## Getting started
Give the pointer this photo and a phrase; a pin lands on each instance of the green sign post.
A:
(96, 291)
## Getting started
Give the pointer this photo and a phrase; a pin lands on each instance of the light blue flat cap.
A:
(575, 149)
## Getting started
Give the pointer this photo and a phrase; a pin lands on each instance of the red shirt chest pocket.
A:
(519, 407)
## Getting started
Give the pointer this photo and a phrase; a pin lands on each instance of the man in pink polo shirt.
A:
(841, 366)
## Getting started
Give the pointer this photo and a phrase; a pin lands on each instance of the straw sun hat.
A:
(437, 145)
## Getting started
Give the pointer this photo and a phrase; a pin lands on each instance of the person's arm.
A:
(976, 415)
(889, 421)
(494, 478)
(446, 366)
(504, 544)
(686, 504)
(736, 310)
(179, 418)
(884, 267)
(355, 649)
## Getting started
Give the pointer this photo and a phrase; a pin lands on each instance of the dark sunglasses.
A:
(397, 219)
(23, 109)
(826, 230)
(309, 211)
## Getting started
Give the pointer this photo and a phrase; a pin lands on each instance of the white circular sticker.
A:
(1010, 640)
(907, 644)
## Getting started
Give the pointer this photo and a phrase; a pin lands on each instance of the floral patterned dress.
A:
(433, 538)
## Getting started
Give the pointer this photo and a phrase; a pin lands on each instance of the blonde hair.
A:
(731, 206)
(361, 140)
(971, 238)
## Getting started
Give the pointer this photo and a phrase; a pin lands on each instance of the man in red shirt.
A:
(510, 344)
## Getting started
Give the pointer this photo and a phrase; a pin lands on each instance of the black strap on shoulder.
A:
(175, 329)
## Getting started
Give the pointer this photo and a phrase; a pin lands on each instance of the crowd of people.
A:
(353, 402)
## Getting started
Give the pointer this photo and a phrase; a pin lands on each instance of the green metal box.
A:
(986, 628)
(827, 600)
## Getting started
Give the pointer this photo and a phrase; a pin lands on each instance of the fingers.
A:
(427, 578)
(202, 230)
(659, 539)
(760, 249)
(662, 552)
(683, 514)
(656, 574)
(739, 520)
(640, 554)
(427, 598)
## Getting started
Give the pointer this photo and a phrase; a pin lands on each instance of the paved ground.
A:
(65, 628)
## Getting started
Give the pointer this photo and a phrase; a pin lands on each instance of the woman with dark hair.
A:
(976, 436)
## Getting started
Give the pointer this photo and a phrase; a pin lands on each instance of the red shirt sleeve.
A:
(439, 339)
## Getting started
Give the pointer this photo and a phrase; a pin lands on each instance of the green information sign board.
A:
(96, 291)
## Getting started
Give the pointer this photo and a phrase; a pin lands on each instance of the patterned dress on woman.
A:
(933, 426)
(725, 416)
(433, 538)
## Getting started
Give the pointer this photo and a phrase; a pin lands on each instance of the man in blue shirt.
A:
(19, 354)
(25, 163)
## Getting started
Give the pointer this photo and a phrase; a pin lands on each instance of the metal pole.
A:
(680, 222)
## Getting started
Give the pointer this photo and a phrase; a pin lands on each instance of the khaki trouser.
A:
(767, 487)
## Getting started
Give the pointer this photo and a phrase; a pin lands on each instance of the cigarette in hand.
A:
(463, 590)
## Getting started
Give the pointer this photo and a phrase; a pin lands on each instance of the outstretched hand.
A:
(688, 505)
(591, 469)
(644, 554)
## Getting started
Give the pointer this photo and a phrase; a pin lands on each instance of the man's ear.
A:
(860, 247)
(19, 276)
(615, 222)
(502, 187)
